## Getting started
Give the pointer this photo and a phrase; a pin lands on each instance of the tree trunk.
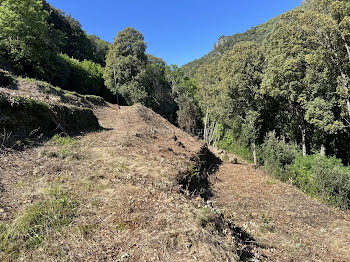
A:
(115, 85)
(254, 155)
(323, 150)
(346, 46)
(348, 106)
(303, 140)
(213, 132)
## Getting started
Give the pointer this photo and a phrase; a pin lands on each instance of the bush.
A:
(6, 80)
(322, 177)
(276, 155)
(233, 145)
(85, 77)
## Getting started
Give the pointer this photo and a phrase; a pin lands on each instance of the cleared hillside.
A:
(140, 189)
(291, 225)
(128, 192)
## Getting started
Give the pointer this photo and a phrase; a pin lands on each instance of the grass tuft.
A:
(64, 140)
(38, 221)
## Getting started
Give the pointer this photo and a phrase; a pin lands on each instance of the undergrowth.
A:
(37, 222)
(64, 140)
(321, 177)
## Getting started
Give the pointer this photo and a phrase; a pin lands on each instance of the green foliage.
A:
(322, 177)
(126, 66)
(63, 140)
(276, 155)
(231, 144)
(184, 94)
(226, 43)
(37, 222)
(71, 39)
(85, 77)
(158, 88)
(24, 36)
(100, 49)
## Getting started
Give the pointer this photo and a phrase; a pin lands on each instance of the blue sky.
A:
(178, 31)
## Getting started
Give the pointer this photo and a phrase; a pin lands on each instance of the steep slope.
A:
(225, 43)
(122, 194)
(31, 110)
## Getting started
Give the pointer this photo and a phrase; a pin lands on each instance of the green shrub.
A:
(64, 140)
(301, 172)
(276, 154)
(232, 145)
(85, 77)
(325, 178)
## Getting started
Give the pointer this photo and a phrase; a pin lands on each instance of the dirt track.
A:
(123, 178)
(131, 208)
(291, 225)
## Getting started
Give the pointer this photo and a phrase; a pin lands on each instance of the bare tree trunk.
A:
(348, 106)
(254, 154)
(206, 125)
(213, 133)
(323, 150)
(346, 45)
(303, 140)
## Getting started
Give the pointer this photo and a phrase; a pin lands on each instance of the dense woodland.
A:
(277, 95)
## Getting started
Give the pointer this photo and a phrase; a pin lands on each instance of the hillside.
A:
(241, 155)
(141, 189)
(122, 193)
(225, 43)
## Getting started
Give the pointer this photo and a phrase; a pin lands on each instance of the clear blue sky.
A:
(178, 31)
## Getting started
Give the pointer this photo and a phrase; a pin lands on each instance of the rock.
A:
(124, 256)
(234, 161)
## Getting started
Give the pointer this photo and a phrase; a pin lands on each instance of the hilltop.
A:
(226, 43)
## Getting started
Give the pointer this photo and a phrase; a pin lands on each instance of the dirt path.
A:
(129, 204)
(291, 225)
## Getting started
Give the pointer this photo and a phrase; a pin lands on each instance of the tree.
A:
(24, 36)
(331, 23)
(126, 66)
(100, 49)
(158, 88)
(296, 73)
(240, 73)
(183, 93)
(211, 99)
(316, 39)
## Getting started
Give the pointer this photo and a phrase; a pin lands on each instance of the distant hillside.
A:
(225, 43)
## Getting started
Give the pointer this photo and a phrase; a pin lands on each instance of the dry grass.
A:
(295, 226)
(130, 205)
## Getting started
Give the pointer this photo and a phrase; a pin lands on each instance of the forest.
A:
(277, 95)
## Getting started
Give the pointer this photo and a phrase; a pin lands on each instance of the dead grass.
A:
(125, 179)
(30, 228)
(130, 205)
(295, 226)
